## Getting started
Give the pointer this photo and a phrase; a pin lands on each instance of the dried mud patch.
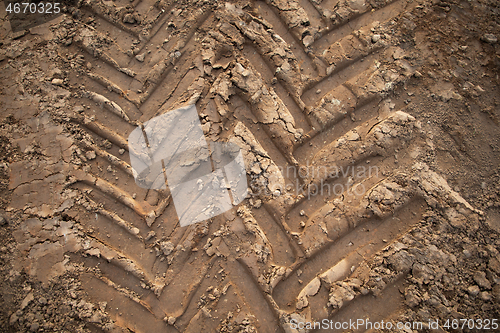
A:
(446, 266)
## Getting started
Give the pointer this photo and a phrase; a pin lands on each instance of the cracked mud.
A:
(369, 131)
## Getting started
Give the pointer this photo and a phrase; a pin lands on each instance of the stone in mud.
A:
(56, 73)
(57, 82)
(129, 18)
(308, 40)
(473, 290)
(485, 296)
(490, 38)
(482, 281)
(167, 247)
(27, 300)
(401, 261)
(140, 57)
(90, 155)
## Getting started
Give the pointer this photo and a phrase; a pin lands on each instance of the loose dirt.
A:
(370, 134)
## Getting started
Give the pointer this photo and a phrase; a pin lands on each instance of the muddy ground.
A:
(410, 88)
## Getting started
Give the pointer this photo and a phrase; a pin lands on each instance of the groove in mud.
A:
(383, 14)
(164, 95)
(147, 9)
(305, 62)
(314, 15)
(264, 68)
(124, 311)
(109, 119)
(100, 131)
(178, 297)
(107, 21)
(104, 69)
(362, 115)
(122, 36)
(243, 112)
(266, 317)
(315, 93)
(112, 203)
(104, 270)
(283, 253)
(333, 188)
(366, 239)
(371, 308)
(145, 98)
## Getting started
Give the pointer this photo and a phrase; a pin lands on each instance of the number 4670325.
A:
(33, 8)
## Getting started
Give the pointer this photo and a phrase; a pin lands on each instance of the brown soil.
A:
(401, 96)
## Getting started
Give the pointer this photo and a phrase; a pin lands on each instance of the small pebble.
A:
(473, 290)
(128, 18)
(490, 38)
(56, 73)
(90, 155)
(140, 57)
(57, 82)
(308, 40)
(485, 296)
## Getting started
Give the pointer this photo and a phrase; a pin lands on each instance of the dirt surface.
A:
(370, 134)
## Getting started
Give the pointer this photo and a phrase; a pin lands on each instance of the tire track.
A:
(352, 20)
(269, 78)
(306, 60)
(280, 254)
(337, 259)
